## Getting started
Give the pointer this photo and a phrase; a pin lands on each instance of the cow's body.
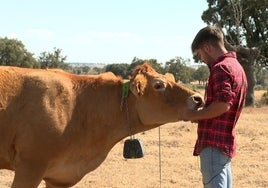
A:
(58, 126)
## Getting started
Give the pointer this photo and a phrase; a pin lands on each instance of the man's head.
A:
(208, 43)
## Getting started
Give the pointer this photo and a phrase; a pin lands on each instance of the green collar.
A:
(125, 89)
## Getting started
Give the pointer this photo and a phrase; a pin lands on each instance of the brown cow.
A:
(57, 126)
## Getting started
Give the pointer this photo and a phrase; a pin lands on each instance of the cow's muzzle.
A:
(195, 101)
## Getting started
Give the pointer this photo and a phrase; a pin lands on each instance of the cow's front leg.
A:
(28, 174)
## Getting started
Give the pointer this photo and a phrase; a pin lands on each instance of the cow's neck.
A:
(103, 104)
(131, 118)
(130, 121)
(133, 123)
(103, 123)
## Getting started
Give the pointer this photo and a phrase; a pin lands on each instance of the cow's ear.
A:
(138, 85)
(170, 76)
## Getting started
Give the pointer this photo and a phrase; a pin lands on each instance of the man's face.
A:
(203, 53)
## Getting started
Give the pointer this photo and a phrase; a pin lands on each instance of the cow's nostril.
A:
(195, 101)
(198, 100)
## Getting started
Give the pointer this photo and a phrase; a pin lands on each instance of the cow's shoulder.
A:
(108, 76)
(47, 81)
(99, 79)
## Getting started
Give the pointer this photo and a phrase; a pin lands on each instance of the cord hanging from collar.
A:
(133, 148)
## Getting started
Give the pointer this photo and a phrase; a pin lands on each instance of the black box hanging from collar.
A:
(133, 149)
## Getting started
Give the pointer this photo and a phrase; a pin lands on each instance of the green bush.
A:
(264, 98)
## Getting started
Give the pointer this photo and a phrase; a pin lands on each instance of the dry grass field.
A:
(179, 169)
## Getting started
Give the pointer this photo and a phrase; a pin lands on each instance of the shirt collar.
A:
(222, 57)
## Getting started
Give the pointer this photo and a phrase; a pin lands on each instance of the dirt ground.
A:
(179, 169)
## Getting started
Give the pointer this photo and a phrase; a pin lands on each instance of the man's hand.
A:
(215, 109)
(190, 114)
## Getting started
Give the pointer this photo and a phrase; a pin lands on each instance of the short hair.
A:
(212, 34)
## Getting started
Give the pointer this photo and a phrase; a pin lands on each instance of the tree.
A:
(262, 77)
(52, 60)
(178, 68)
(98, 70)
(245, 25)
(13, 53)
(201, 74)
(153, 62)
(120, 69)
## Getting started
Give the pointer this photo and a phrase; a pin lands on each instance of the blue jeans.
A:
(215, 168)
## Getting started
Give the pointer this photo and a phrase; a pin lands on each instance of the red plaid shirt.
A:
(227, 83)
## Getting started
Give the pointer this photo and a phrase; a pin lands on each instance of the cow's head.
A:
(159, 99)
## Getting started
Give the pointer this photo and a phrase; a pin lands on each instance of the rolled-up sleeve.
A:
(222, 85)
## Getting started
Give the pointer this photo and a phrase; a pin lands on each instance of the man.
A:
(224, 100)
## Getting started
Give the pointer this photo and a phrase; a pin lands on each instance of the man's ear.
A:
(206, 47)
(137, 86)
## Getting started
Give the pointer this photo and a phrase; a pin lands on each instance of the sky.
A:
(104, 31)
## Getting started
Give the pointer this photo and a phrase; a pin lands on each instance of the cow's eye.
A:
(159, 85)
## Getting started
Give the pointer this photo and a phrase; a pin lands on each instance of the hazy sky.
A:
(104, 31)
